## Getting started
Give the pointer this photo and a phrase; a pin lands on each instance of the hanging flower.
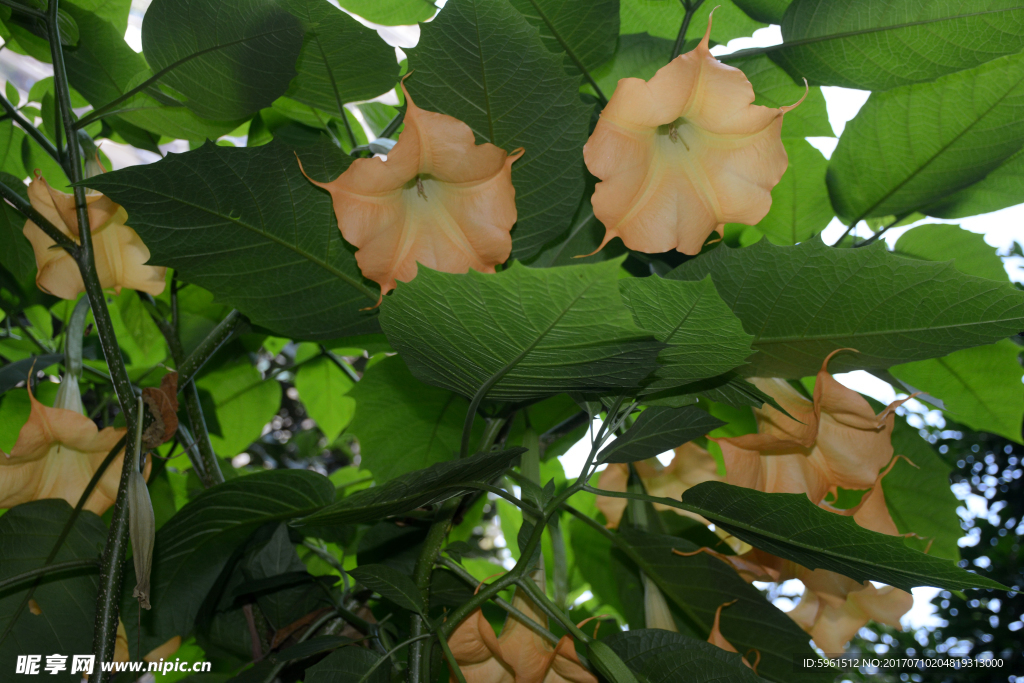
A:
(57, 452)
(518, 655)
(439, 200)
(684, 153)
(690, 466)
(716, 638)
(118, 250)
(838, 441)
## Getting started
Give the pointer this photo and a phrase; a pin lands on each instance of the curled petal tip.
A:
(824, 365)
(705, 42)
(789, 107)
(306, 175)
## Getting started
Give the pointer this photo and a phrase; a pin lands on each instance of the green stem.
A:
(34, 132)
(46, 569)
(544, 603)
(468, 579)
(340, 362)
(390, 129)
(46, 226)
(421, 576)
(391, 653)
(29, 11)
(190, 367)
(681, 37)
(874, 238)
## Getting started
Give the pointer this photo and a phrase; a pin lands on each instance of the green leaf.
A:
(194, 547)
(914, 146)
(980, 387)
(800, 203)
(513, 93)
(322, 386)
(661, 656)
(541, 331)
(349, 665)
(803, 302)
(773, 87)
(391, 12)
(246, 225)
(10, 152)
(66, 600)
(585, 31)
(341, 60)
(244, 403)
(229, 59)
(942, 242)
(792, 527)
(704, 338)
(136, 332)
(767, 11)
(414, 490)
(658, 430)
(402, 424)
(16, 253)
(918, 496)
(1002, 187)
(391, 584)
(662, 18)
(879, 44)
(699, 584)
(637, 55)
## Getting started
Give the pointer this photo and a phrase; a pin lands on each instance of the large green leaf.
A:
(791, 526)
(229, 58)
(800, 203)
(980, 387)
(585, 31)
(539, 331)
(1002, 187)
(662, 18)
(391, 12)
(16, 253)
(246, 225)
(773, 87)
(483, 63)
(637, 55)
(414, 490)
(103, 67)
(768, 11)
(402, 424)
(942, 242)
(66, 600)
(914, 146)
(349, 665)
(323, 389)
(392, 584)
(704, 338)
(193, 548)
(918, 495)
(881, 44)
(801, 303)
(243, 404)
(662, 656)
(699, 584)
(341, 60)
(658, 430)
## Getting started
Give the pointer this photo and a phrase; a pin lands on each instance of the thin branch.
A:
(390, 129)
(687, 18)
(46, 569)
(36, 134)
(340, 362)
(874, 238)
(52, 231)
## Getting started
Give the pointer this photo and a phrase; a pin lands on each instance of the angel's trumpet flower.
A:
(118, 250)
(684, 153)
(440, 200)
(57, 452)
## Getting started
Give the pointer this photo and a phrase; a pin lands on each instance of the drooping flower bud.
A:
(141, 520)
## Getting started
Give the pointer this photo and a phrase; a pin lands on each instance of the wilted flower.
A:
(684, 153)
(57, 452)
(440, 200)
(118, 250)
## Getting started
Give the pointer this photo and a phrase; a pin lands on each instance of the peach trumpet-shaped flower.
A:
(837, 442)
(57, 452)
(684, 153)
(518, 655)
(691, 465)
(119, 252)
(440, 200)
